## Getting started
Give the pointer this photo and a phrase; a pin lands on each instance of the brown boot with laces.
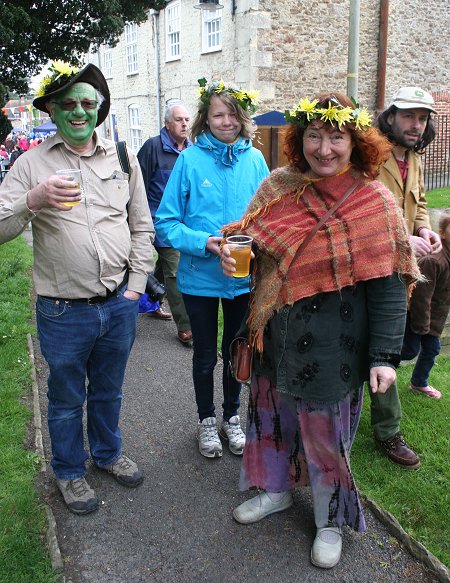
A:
(399, 452)
(78, 495)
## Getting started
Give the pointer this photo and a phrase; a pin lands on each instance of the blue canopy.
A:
(46, 127)
(271, 118)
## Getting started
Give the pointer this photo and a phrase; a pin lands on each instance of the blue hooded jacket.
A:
(157, 158)
(210, 185)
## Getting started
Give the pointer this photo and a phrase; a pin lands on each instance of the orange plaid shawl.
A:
(365, 239)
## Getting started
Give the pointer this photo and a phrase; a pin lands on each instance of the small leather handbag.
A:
(241, 360)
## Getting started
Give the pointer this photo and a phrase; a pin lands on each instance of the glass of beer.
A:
(75, 175)
(240, 249)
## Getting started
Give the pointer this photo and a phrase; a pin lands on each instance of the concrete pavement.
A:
(177, 527)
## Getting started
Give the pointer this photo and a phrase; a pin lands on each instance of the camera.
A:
(155, 290)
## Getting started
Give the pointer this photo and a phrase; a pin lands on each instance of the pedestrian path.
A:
(177, 527)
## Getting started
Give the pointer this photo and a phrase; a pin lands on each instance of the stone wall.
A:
(308, 42)
(285, 49)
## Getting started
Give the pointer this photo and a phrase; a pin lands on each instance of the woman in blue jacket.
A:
(211, 185)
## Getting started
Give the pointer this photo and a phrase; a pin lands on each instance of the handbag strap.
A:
(325, 217)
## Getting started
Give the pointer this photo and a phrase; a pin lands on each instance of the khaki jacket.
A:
(411, 198)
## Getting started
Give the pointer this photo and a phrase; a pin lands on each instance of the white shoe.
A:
(261, 506)
(209, 443)
(232, 432)
(327, 547)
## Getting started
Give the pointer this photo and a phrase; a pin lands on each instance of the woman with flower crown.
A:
(211, 184)
(324, 316)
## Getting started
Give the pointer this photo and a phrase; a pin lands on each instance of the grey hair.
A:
(100, 98)
(170, 106)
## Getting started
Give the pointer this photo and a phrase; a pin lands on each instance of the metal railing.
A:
(436, 160)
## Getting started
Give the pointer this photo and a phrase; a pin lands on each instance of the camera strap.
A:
(122, 154)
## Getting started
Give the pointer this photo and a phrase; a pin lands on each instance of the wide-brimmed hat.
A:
(413, 97)
(62, 81)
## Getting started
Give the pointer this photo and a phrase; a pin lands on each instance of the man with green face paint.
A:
(92, 254)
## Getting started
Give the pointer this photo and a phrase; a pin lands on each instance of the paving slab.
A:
(177, 527)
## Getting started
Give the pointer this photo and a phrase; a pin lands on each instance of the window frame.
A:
(131, 48)
(208, 18)
(135, 128)
(172, 18)
(107, 62)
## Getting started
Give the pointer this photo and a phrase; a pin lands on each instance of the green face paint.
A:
(76, 126)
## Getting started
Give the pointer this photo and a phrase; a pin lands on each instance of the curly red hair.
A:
(370, 147)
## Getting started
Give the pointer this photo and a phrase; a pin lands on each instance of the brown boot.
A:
(399, 452)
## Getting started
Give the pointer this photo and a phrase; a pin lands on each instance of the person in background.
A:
(408, 125)
(210, 185)
(91, 261)
(157, 158)
(428, 311)
(16, 152)
(324, 318)
(23, 143)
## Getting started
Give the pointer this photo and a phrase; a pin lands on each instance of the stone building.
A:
(284, 48)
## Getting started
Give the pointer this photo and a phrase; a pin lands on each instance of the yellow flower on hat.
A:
(307, 111)
(64, 68)
(57, 69)
(343, 116)
(329, 113)
(363, 119)
(307, 106)
(246, 99)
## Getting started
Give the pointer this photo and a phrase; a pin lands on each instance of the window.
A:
(135, 128)
(131, 48)
(212, 31)
(107, 61)
(173, 25)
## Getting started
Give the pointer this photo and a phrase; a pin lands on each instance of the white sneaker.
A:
(260, 506)
(209, 443)
(327, 547)
(232, 432)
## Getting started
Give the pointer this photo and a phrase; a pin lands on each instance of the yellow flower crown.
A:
(306, 111)
(248, 100)
(59, 71)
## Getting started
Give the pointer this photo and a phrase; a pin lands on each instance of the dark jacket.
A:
(430, 300)
(157, 158)
(324, 346)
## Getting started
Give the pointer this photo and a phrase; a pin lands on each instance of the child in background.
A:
(428, 312)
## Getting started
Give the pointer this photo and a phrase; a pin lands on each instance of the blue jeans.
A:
(203, 315)
(81, 341)
(427, 347)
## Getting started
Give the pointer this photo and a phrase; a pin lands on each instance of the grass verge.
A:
(438, 198)
(23, 556)
(418, 499)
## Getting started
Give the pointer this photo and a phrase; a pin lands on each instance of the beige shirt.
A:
(86, 251)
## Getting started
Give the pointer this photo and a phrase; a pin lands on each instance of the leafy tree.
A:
(5, 127)
(33, 32)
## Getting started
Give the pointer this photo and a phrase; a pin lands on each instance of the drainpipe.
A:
(155, 15)
(382, 55)
(353, 50)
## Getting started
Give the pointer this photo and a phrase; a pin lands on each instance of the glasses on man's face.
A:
(70, 104)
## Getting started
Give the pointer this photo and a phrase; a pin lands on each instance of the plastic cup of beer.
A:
(75, 175)
(240, 249)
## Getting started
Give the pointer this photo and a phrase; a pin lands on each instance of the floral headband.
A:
(59, 71)
(306, 111)
(248, 100)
